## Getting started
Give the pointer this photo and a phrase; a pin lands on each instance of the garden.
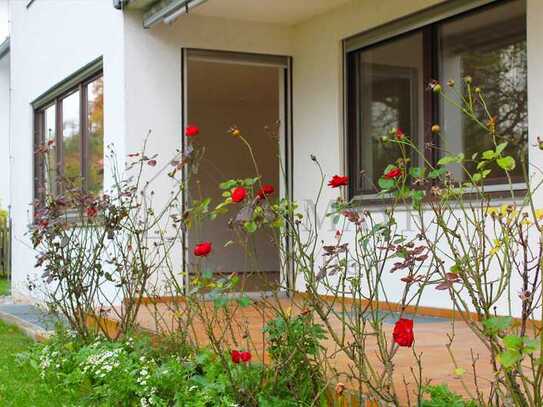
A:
(336, 337)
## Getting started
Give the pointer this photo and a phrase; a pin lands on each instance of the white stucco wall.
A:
(49, 41)
(153, 77)
(4, 132)
(142, 81)
(318, 108)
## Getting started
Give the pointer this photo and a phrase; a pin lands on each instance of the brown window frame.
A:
(77, 82)
(431, 101)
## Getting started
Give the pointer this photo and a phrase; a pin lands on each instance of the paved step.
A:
(32, 320)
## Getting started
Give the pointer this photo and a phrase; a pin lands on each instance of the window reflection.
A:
(490, 47)
(388, 82)
(71, 139)
(51, 167)
(95, 142)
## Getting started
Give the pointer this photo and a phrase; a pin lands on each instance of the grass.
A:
(5, 286)
(20, 384)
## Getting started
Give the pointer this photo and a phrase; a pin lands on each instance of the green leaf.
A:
(501, 147)
(386, 183)
(506, 163)
(451, 159)
(250, 227)
(495, 324)
(231, 183)
(513, 342)
(417, 197)
(417, 172)
(436, 173)
(530, 345)
(489, 155)
(509, 358)
(220, 301)
(244, 301)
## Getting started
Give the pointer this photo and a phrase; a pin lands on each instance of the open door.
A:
(252, 92)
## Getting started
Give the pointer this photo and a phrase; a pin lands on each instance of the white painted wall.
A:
(145, 93)
(318, 107)
(153, 77)
(4, 132)
(49, 41)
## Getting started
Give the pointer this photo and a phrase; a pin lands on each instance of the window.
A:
(69, 125)
(387, 82)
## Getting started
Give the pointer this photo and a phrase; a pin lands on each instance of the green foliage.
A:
(496, 324)
(441, 396)
(131, 372)
(20, 383)
(516, 348)
(294, 346)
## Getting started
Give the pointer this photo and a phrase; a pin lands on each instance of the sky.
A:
(3, 19)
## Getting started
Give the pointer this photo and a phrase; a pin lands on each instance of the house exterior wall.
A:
(153, 90)
(4, 131)
(49, 41)
(142, 82)
(318, 112)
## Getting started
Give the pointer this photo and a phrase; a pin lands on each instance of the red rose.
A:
(91, 211)
(400, 135)
(236, 356)
(191, 130)
(393, 173)
(403, 332)
(239, 194)
(245, 356)
(266, 189)
(338, 181)
(202, 249)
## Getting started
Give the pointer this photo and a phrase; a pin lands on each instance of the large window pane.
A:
(95, 142)
(489, 46)
(51, 165)
(71, 139)
(386, 85)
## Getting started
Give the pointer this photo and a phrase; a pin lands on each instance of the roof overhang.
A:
(4, 48)
(285, 12)
(168, 11)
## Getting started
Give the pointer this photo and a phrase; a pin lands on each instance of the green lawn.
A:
(4, 286)
(20, 385)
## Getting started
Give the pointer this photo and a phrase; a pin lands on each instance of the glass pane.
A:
(489, 46)
(51, 157)
(71, 137)
(389, 84)
(95, 92)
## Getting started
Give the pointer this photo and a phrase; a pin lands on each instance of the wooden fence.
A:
(5, 248)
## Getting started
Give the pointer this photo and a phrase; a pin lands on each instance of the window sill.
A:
(499, 195)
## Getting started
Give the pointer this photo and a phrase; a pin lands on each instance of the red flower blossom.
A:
(393, 173)
(403, 332)
(266, 189)
(239, 357)
(239, 194)
(400, 135)
(202, 249)
(245, 356)
(151, 163)
(236, 356)
(191, 130)
(338, 181)
(91, 211)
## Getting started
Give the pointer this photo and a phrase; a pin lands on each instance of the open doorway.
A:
(248, 91)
